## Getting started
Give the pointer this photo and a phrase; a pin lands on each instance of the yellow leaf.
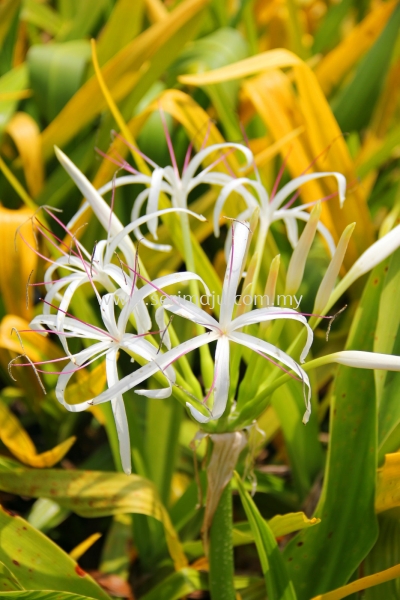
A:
(84, 546)
(332, 68)
(17, 261)
(19, 95)
(285, 524)
(156, 10)
(96, 494)
(273, 59)
(14, 436)
(361, 584)
(283, 111)
(25, 133)
(36, 346)
(388, 484)
(89, 384)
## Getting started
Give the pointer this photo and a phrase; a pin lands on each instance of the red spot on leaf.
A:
(16, 563)
(79, 571)
(11, 513)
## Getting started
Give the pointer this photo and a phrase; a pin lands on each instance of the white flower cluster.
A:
(113, 267)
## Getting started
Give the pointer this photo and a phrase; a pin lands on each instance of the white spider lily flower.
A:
(366, 360)
(96, 268)
(178, 187)
(271, 209)
(226, 329)
(108, 343)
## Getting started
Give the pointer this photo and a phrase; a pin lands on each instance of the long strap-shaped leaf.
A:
(279, 586)
(94, 494)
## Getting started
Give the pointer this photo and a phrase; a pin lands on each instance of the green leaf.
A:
(12, 82)
(328, 33)
(382, 154)
(8, 582)
(121, 28)
(8, 10)
(83, 20)
(303, 446)
(41, 15)
(223, 47)
(178, 584)
(45, 595)
(162, 442)
(118, 73)
(385, 554)
(56, 73)
(388, 318)
(278, 583)
(38, 563)
(324, 557)
(353, 108)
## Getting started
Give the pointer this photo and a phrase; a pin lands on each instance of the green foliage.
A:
(290, 81)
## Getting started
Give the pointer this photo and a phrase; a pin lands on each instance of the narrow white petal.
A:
(152, 203)
(157, 285)
(63, 308)
(158, 394)
(261, 346)
(69, 370)
(200, 156)
(114, 242)
(196, 414)
(222, 379)
(161, 362)
(190, 310)
(236, 185)
(76, 328)
(299, 181)
(372, 257)
(118, 408)
(233, 271)
(98, 204)
(107, 310)
(125, 180)
(271, 313)
(366, 360)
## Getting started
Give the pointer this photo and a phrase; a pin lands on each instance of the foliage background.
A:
(329, 97)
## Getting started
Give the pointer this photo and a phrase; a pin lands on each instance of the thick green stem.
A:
(221, 550)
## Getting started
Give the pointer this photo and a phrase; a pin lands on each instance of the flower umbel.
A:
(226, 330)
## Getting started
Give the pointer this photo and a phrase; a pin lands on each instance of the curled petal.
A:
(293, 185)
(265, 348)
(260, 315)
(190, 310)
(237, 185)
(200, 156)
